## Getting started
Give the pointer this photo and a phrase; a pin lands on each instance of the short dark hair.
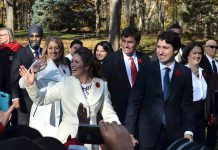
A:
(76, 41)
(131, 31)
(187, 50)
(175, 25)
(170, 38)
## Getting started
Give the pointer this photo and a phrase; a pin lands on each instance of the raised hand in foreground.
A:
(82, 115)
(116, 137)
(27, 75)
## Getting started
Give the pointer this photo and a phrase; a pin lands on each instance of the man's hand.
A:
(134, 141)
(16, 103)
(5, 116)
(82, 115)
(189, 137)
(27, 75)
(116, 137)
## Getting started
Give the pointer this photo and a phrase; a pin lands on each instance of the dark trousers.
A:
(23, 118)
(200, 122)
(162, 141)
(212, 130)
(211, 136)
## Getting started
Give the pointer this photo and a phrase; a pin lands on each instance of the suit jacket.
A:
(147, 102)
(118, 83)
(46, 119)
(211, 103)
(70, 93)
(4, 59)
(23, 57)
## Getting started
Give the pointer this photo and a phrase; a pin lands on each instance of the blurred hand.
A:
(116, 137)
(39, 65)
(134, 141)
(5, 116)
(82, 115)
(16, 103)
(28, 76)
(189, 137)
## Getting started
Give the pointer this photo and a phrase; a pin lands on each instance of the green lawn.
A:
(148, 42)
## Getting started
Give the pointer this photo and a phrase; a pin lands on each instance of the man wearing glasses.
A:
(209, 63)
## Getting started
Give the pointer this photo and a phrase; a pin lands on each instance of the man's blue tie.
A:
(166, 86)
(166, 83)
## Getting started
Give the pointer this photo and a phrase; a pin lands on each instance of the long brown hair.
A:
(60, 44)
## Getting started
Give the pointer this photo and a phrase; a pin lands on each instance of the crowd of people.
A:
(165, 100)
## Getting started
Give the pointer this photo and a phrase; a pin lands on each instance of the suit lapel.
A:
(29, 53)
(123, 68)
(95, 92)
(175, 79)
(157, 76)
(79, 95)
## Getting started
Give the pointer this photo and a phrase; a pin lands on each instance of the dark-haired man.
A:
(176, 28)
(162, 98)
(120, 70)
(25, 56)
(74, 45)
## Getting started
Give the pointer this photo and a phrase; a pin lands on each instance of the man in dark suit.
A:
(209, 63)
(120, 69)
(25, 57)
(162, 98)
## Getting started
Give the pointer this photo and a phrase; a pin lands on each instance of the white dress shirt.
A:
(69, 56)
(33, 51)
(199, 85)
(163, 70)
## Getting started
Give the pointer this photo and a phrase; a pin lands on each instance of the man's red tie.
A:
(133, 70)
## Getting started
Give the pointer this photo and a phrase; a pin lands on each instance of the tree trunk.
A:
(98, 23)
(9, 14)
(141, 15)
(114, 28)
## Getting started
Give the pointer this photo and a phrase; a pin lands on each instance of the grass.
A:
(147, 44)
(89, 39)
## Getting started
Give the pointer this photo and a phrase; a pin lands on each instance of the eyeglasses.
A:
(212, 47)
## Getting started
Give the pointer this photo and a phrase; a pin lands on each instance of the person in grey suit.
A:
(162, 99)
(25, 56)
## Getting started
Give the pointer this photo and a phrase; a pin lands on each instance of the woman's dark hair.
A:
(187, 50)
(89, 61)
(106, 46)
(60, 44)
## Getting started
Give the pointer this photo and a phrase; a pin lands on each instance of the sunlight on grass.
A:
(89, 39)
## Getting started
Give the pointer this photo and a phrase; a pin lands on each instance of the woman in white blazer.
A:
(85, 86)
(46, 119)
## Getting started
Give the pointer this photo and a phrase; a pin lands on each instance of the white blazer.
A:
(70, 92)
(46, 119)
